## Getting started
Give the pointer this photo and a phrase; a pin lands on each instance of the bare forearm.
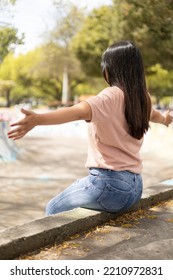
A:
(158, 117)
(81, 111)
(60, 116)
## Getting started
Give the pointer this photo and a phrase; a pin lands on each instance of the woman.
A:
(118, 117)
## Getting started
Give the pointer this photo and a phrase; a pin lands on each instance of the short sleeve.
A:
(102, 105)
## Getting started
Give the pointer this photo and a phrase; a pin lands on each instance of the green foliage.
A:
(36, 74)
(8, 34)
(7, 71)
(8, 40)
(6, 79)
(95, 35)
(150, 24)
(67, 27)
(87, 86)
(160, 81)
(4, 3)
(77, 43)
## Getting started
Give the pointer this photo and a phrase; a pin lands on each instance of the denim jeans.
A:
(102, 190)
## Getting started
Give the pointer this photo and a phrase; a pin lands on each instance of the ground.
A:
(48, 162)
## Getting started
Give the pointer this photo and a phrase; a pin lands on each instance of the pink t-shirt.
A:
(109, 144)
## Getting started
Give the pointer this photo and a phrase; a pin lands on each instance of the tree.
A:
(97, 32)
(7, 78)
(8, 41)
(4, 4)
(36, 75)
(150, 24)
(8, 34)
(6, 87)
(66, 28)
(160, 82)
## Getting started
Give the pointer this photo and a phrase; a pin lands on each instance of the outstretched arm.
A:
(157, 117)
(81, 111)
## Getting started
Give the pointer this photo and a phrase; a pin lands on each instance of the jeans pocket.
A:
(113, 199)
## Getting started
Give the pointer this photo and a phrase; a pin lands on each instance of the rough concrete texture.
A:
(29, 237)
(145, 234)
(46, 165)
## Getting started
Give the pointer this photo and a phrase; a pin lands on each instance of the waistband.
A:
(110, 171)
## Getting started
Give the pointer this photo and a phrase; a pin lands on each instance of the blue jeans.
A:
(102, 190)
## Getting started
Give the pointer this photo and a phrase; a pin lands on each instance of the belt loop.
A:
(134, 177)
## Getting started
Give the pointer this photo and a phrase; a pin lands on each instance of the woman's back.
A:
(110, 144)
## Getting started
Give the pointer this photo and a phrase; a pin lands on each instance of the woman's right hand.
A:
(24, 125)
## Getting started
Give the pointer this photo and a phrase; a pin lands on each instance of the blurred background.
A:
(50, 52)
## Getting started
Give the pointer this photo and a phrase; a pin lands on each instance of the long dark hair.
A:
(122, 66)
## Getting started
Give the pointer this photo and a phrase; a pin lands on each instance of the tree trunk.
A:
(8, 100)
(65, 88)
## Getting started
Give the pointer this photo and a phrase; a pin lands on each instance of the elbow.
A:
(83, 111)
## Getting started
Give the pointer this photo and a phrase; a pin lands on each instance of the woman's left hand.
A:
(168, 118)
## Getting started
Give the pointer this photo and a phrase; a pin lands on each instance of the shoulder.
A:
(106, 102)
(109, 94)
(113, 91)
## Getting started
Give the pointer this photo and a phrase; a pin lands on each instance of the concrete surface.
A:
(45, 167)
(140, 235)
(26, 238)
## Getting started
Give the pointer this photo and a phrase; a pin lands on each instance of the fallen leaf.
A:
(169, 220)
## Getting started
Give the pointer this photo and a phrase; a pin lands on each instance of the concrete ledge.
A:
(28, 237)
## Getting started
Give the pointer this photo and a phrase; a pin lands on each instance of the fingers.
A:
(14, 131)
(169, 118)
(22, 122)
(26, 112)
(22, 126)
(168, 112)
(18, 123)
(18, 132)
(16, 135)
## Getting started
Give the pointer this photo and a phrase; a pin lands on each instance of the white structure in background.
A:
(65, 88)
(8, 148)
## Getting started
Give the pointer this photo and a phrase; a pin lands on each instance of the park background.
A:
(59, 66)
